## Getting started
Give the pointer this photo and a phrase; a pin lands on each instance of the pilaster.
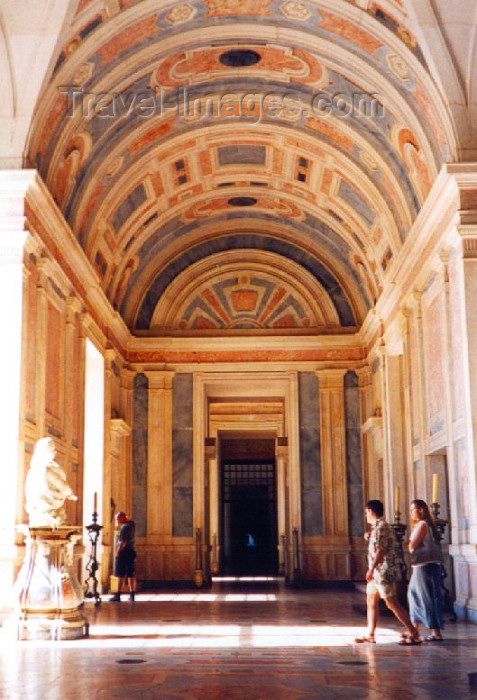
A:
(283, 519)
(13, 238)
(469, 253)
(333, 451)
(159, 468)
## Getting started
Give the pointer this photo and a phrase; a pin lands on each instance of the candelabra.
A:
(440, 524)
(296, 557)
(199, 572)
(91, 583)
(399, 532)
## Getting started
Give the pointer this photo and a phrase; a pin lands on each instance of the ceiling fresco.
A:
(299, 138)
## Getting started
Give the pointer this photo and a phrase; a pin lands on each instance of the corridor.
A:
(239, 640)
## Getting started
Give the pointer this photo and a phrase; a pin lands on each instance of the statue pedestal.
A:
(48, 597)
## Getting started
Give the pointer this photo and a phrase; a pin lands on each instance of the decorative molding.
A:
(469, 245)
(120, 427)
(374, 426)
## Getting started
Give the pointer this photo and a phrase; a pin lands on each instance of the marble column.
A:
(73, 403)
(12, 241)
(464, 547)
(394, 437)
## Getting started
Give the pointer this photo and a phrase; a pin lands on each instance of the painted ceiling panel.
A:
(172, 132)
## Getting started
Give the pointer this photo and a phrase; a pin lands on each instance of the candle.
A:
(435, 488)
(397, 492)
(95, 506)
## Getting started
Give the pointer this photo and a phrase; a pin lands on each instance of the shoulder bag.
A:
(428, 551)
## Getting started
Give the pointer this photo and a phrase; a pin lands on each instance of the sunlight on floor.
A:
(179, 635)
(198, 597)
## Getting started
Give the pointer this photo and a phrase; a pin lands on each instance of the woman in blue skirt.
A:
(424, 592)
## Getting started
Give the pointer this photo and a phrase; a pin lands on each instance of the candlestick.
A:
(435, 488)
(397, 493)
(95, 506)
(91, 584)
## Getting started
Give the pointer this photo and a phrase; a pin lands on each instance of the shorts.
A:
(124, 563)
(384, 590)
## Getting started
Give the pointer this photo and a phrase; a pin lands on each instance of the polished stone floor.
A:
(239, 640)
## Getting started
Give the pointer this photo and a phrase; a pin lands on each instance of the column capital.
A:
(331, 378)
(468, 236)
(14, 185)
(159, 379)
(12, 245)
(364, 375)
(73, 307)
(119, 427)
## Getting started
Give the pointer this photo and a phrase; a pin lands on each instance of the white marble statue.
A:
(46, 488)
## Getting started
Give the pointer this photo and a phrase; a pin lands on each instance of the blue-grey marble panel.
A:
(139, 455)
(354, 474)
(310, 454)
(182, 455)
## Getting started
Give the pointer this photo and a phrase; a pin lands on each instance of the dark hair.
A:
(422, 505)
(376, 506)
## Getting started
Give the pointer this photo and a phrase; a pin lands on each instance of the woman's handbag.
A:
(428, 551)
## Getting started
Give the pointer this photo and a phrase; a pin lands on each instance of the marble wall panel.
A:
(457, 337)
(31, 346)
(182, 455)
(354, 474)
(54, 368)
(414, 379)
(434, 334)
(462, 484)
(310, 454)
(140, 455)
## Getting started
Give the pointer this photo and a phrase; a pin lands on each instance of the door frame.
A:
(261, 404)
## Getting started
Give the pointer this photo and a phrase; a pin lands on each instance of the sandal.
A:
(409, 641)
(365, 640)
(433, 638)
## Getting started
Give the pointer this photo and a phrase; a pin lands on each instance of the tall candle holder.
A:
(91, 583)
(438, 522)
(399, 532)
(199, 572)
(441, 524)
(296, 557)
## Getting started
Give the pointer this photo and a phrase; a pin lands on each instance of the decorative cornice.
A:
(468, 235)
(439, 216)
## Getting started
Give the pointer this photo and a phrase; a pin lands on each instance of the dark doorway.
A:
(249, 521)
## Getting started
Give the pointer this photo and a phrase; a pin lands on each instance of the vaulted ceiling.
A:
(240, 165)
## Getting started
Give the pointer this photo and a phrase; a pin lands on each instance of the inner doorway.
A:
(249, 536)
